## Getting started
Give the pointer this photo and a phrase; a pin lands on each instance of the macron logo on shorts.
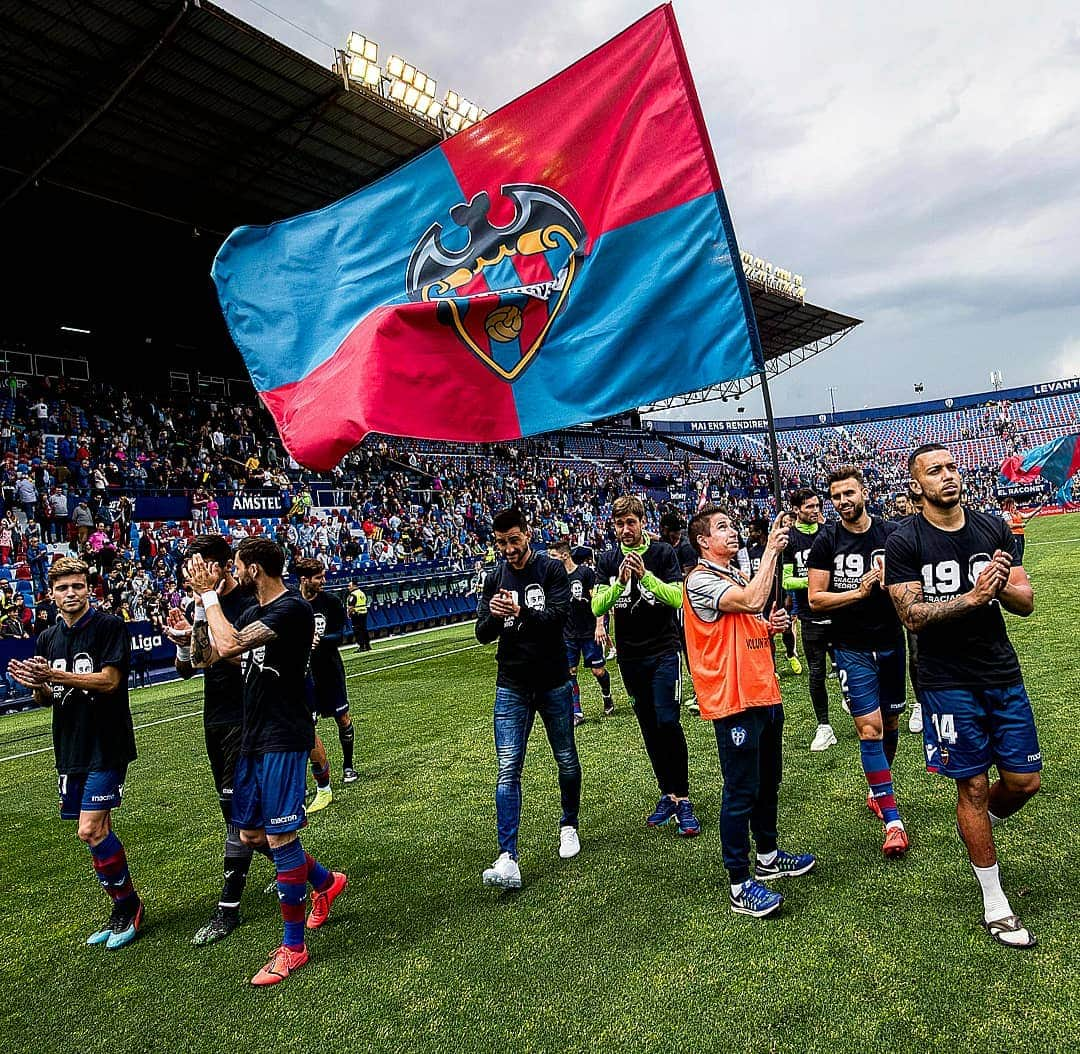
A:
(278, 820)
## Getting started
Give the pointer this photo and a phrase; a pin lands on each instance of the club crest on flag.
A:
(501, 291)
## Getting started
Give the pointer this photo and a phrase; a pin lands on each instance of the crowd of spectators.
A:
(75, 459)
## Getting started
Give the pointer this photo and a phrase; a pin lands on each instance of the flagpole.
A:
(774, 450)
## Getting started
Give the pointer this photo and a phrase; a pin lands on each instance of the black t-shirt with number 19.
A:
(972, 650)
(869, 624)
(277, 715)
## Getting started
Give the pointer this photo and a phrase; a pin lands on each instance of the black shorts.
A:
(223, 749)
(326, 697)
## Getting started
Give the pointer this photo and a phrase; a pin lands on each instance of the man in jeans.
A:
(640, 583)
(524, 603)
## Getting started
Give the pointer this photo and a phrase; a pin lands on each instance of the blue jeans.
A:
(515, 711)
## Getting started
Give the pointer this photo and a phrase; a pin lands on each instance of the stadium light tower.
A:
(412, 88)
(362, 60)
(460, 113)
(832, 399)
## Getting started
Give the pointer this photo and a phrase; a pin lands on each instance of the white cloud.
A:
(917, 163)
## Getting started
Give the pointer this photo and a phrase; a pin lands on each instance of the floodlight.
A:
(395, 66)
(360, 45)
(397, 90)
(411, 95)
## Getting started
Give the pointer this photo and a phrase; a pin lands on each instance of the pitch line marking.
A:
(197, 713)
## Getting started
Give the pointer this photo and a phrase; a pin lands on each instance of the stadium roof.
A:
(180, 111)
(177, 108)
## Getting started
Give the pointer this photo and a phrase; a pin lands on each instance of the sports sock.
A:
(994, 820)
(576, 689)
(322, 775)
(604, 680)
(347, 736)
(766, 858)
(111, 867)
(995, 903)
(736, 888)
(292, 889)
(789, 643)
(237, 864)
(889, 740)
(317, 875)
(879, 777)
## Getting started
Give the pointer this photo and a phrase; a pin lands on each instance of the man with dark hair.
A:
(80, 669)
(756, 541)
(223, 718)
(330, 697)
(815, 627)
(735, 678)
(950, 571)
(584, 632)
(640, 583)
(274, 642)
(672, 526)
(524, 604)
(846, 567)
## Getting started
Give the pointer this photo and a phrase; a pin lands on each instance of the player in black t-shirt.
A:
(223, 717)
(80, 669)
(813, 627)
(524, 605)
(950, 572)
(330, 697)
(273, 640)
(757, 537)
(640, 583)
(672, 531)
(584, 632)
(845, 575)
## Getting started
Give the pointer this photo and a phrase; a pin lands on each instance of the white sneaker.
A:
(504, 873)
(824, 738)
(914, 722)
(569, 843)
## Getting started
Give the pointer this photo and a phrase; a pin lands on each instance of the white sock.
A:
(995, 903)
(894, 823)
(736, 888)
(994, 820)
(766, 858)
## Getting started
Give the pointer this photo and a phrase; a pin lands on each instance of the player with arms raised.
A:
(950, 571)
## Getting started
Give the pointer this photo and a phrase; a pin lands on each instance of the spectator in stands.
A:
(7, 540)
(83, 519)
(26, 495)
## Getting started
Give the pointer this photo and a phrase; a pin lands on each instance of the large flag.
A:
(1056, 462)
(569, 257)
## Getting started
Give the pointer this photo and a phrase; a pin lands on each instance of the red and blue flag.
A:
(1055, 462)
(569, 257)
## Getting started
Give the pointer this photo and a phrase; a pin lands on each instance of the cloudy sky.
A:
(918, 164)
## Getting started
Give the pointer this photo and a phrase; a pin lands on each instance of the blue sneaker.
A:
(687, 821)
(663, 813)
(755, 900)
(786, 865)
(102, 935)
(126, 929)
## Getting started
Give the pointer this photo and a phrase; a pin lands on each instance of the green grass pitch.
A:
(630, 947)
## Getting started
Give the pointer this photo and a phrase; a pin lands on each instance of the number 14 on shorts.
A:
(944, 727)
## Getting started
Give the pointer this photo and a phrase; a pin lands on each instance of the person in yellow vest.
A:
(356, 605)
(731, 660)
